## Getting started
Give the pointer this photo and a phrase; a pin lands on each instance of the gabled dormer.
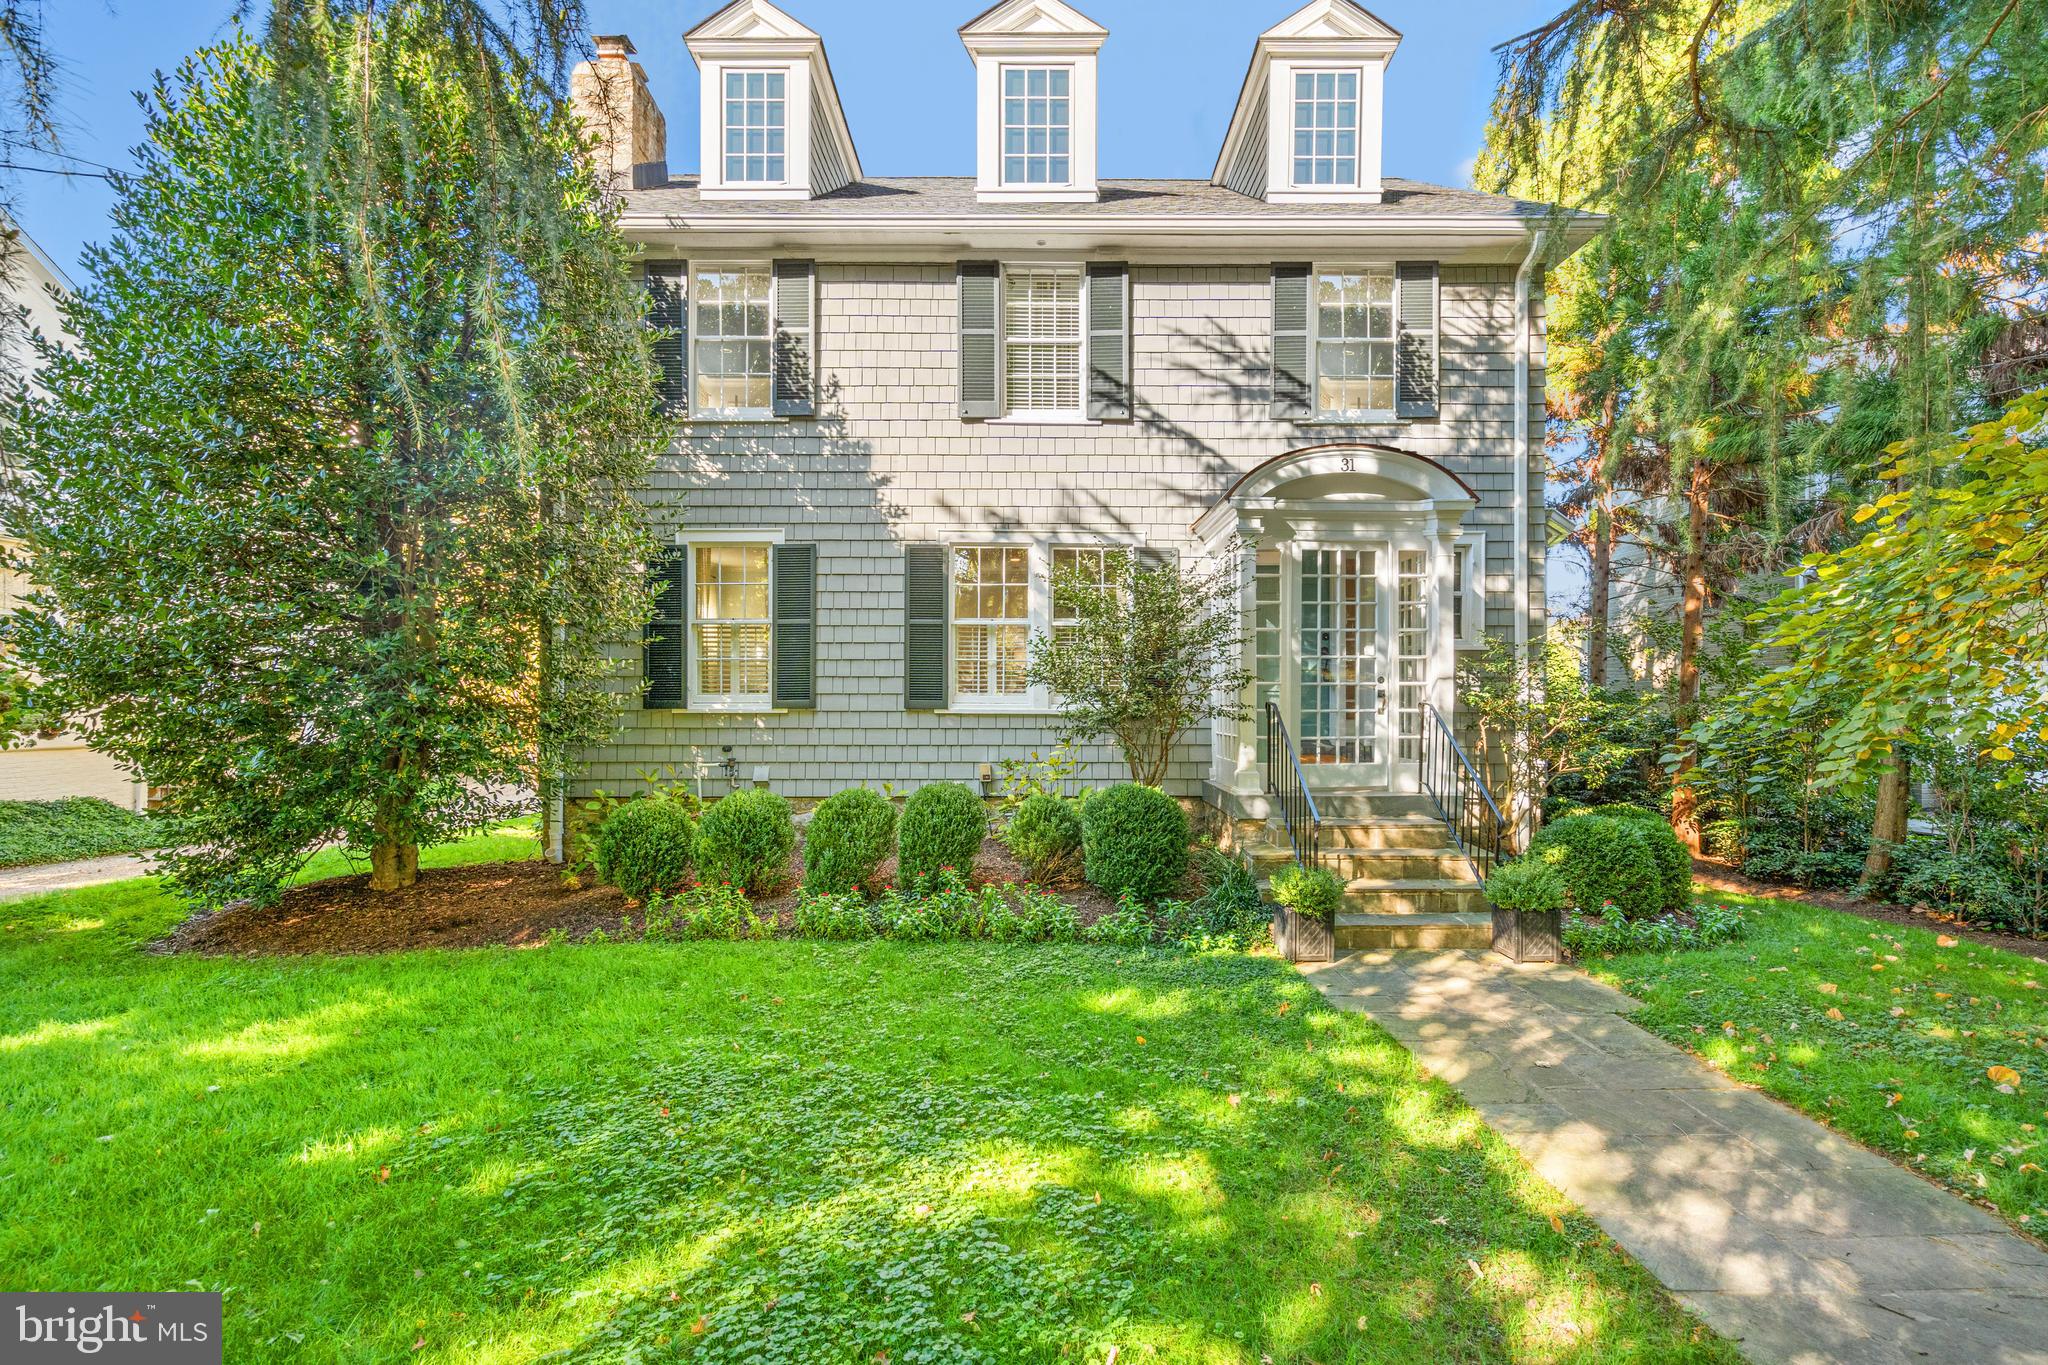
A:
(1034, 63)
(1307, 124)
(771, 123)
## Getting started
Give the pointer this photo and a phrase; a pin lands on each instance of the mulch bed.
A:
(515, 904)
(1720, 877)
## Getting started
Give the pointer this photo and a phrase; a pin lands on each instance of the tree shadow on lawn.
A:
(788, 1151)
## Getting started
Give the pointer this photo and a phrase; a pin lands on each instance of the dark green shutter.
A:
(1290, 342)
(796, 625)
(1415, 362)
(980, 393)
(795, 359)
(924, 627)
(668, 312)
(1109, 342)
(662, 637)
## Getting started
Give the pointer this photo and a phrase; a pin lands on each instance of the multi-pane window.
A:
(1042, 341)
(730, 338)
(1266, 640)
(1411, 649)
(755, 135)
(729, 626)
(1354, 325)
(991, 622)
(1099, 568)
(1326, 128)
(1037, 127)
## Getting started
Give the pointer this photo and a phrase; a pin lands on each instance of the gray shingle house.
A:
(902, 402)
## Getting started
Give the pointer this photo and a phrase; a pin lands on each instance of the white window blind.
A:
(730, 625)
(1042, 341)
(991, 622)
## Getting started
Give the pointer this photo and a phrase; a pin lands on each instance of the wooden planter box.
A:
(1529, 935)
(1303, 938)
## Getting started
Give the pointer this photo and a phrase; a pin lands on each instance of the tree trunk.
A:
(1692, 624)
(394, 857)
(1888, 826)
(1600, 555)
(1600, 549)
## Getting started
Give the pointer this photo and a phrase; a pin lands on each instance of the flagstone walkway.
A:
(1800, 1245)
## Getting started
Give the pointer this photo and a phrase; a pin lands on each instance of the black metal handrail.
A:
(1289, 789)
(1462, 801)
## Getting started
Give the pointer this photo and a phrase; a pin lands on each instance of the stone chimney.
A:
(610, 95)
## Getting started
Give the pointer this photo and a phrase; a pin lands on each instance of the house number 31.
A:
(1349, 466)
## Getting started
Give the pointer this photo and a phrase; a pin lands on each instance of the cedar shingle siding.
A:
(887, 461)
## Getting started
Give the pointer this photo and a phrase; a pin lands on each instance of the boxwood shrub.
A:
(645, 846)
(850, 835)
(1674, 860)
(745, 839)
(1526, 884)
(1314, 892)
(1134, 838)
(1602, 861)
(943, 825)
(1045, 834)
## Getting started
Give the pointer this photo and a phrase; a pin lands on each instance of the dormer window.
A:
(1326, 127)
(756, 126)
(1034, 102)
(1037, 125)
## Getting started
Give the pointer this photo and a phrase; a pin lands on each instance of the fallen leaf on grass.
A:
(2003, 1076)
(1944, 941)
(1557, 1224)
(1834, 1012)
(1828, 988)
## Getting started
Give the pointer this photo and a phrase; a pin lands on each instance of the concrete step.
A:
(1361, 932)
(1383, 863)
(1342, 803)
(1413, 896)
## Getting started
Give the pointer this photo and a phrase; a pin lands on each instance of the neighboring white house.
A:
(902, 402)
(63, 764)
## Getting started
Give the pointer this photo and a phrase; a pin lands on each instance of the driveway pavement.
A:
(16, 882)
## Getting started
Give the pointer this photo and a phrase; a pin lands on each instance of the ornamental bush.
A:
(1134, 838)
(942, 826)
(1602, 861)
(1045, 834)
(1527, 884)
(844, 916)
(1312, 891)
(745, 839)
(850, 835)
(645, 846)
(1127, 926)
(1674, 861)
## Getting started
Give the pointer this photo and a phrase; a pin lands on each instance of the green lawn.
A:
(769, 1151)
(1904, 1068)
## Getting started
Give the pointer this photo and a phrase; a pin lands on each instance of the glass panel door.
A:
(1341, 649)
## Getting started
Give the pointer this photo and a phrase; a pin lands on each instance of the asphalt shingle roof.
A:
(914, 196)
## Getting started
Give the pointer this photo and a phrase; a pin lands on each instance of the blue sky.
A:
(1170, 73)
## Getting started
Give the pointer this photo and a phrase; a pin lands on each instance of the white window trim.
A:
(1002, 79)
(789, 82)
(1471, 548)
(1315, 350)
(1074, 416)
(699, 413)
(1034, 700)
(1357, 131)
(693, 700)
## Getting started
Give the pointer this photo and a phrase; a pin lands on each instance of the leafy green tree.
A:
(1931, 624)
(1535, 729)
(348, 451)
(1145, 656)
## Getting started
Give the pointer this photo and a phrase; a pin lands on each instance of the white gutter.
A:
(1520, 816)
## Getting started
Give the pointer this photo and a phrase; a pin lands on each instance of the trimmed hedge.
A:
(1526, 884)
(1134, 839)
(74, 827)
(1674, 861)
(1601, 861)
(850, 835)
(745, 839)
(645, 847)
(943, 825)
(1045, 834)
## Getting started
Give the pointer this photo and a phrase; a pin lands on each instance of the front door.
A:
(1343, 647)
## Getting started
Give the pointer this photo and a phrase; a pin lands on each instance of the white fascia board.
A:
(1220, 239)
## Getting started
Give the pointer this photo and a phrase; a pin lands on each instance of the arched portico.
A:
(1350, 575)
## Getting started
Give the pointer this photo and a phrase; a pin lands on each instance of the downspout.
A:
(1521, 817)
